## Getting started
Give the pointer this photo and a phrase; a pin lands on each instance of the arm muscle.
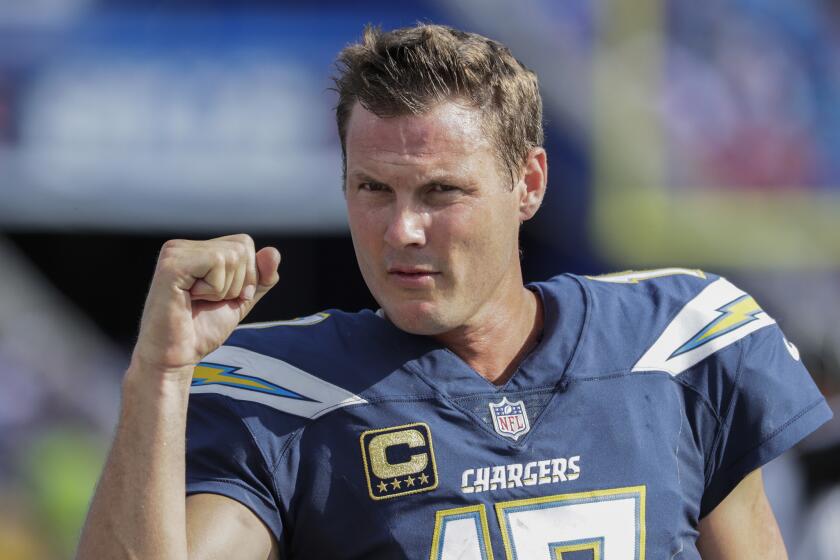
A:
(742, 526)
(219, 527)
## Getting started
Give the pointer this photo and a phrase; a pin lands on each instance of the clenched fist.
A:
(200, 292)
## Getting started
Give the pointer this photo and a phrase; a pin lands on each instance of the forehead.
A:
(448, 130)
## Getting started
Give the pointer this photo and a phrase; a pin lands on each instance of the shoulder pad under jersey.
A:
(670, 319)
(261, 362)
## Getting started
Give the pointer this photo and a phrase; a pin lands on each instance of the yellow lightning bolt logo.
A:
(733, 315)
(206, 373)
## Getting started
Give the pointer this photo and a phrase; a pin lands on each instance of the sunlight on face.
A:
(433, 218)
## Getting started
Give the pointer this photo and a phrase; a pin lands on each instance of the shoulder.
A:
(663, 287)
(288, 366)
(296, 338)
(747, 395)
(669, 319)
(310, 366)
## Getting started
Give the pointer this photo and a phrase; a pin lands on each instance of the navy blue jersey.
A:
(648, 398)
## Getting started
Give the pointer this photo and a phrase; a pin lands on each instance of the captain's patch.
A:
(399, 460)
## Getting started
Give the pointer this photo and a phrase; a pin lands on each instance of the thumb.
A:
(268, 259)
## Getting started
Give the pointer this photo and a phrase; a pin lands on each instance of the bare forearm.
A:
(138, 510)
(742, 526)
(200, 291)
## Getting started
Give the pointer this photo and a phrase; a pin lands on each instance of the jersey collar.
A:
(565, 311)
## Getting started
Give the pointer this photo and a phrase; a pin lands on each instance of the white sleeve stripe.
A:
(636, 276)
(299, 322)
(324, 396)
(692, 319)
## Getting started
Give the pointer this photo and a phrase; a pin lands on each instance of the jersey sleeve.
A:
(754, 398)
(223, 458)
(766, 403)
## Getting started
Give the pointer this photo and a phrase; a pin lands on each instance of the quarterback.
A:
(617, 417)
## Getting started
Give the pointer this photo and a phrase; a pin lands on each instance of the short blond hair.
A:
(409, 70)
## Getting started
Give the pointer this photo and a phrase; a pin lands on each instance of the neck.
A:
(499, 337)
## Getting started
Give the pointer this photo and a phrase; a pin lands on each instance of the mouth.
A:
(413, 277)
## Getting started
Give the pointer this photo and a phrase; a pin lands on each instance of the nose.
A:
(406, 228)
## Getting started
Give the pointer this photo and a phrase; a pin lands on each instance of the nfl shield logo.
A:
(510, 418)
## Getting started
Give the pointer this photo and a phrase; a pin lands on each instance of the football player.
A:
(617, 417)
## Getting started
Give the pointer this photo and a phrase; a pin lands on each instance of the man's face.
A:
(433, 218)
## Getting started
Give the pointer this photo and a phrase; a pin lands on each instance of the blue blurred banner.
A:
(196, 120)
(712, 128)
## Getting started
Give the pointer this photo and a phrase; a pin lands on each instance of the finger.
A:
(181, 263)
(233, 256)
(204, 291)
(251, 275)
(242, 270)
(238, 279)
(213, 284)
(267, 260)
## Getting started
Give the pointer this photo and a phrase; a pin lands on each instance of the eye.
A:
(439, 188)
(373, 187)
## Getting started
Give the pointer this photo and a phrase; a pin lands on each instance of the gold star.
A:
(409, 480)
(382, 487)
(396, 484)
(423, 478)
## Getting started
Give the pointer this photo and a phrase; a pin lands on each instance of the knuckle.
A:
(167, 260)
(244, 260)
(239, 251)
(235, 256)
(172, 244)
(167, 265)
(218, 257)
(169, 249)
(246, 245)
(244, 239)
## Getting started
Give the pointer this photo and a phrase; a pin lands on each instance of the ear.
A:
(532, 184)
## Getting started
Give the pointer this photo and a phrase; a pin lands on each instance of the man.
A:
(616, 417)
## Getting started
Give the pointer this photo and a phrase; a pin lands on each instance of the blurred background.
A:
(680, 133)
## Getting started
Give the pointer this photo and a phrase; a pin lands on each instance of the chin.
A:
(421, 318)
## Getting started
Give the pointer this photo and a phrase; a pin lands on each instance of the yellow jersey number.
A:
(547, 527)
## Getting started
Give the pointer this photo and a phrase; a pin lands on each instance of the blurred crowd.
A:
(751, 90)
